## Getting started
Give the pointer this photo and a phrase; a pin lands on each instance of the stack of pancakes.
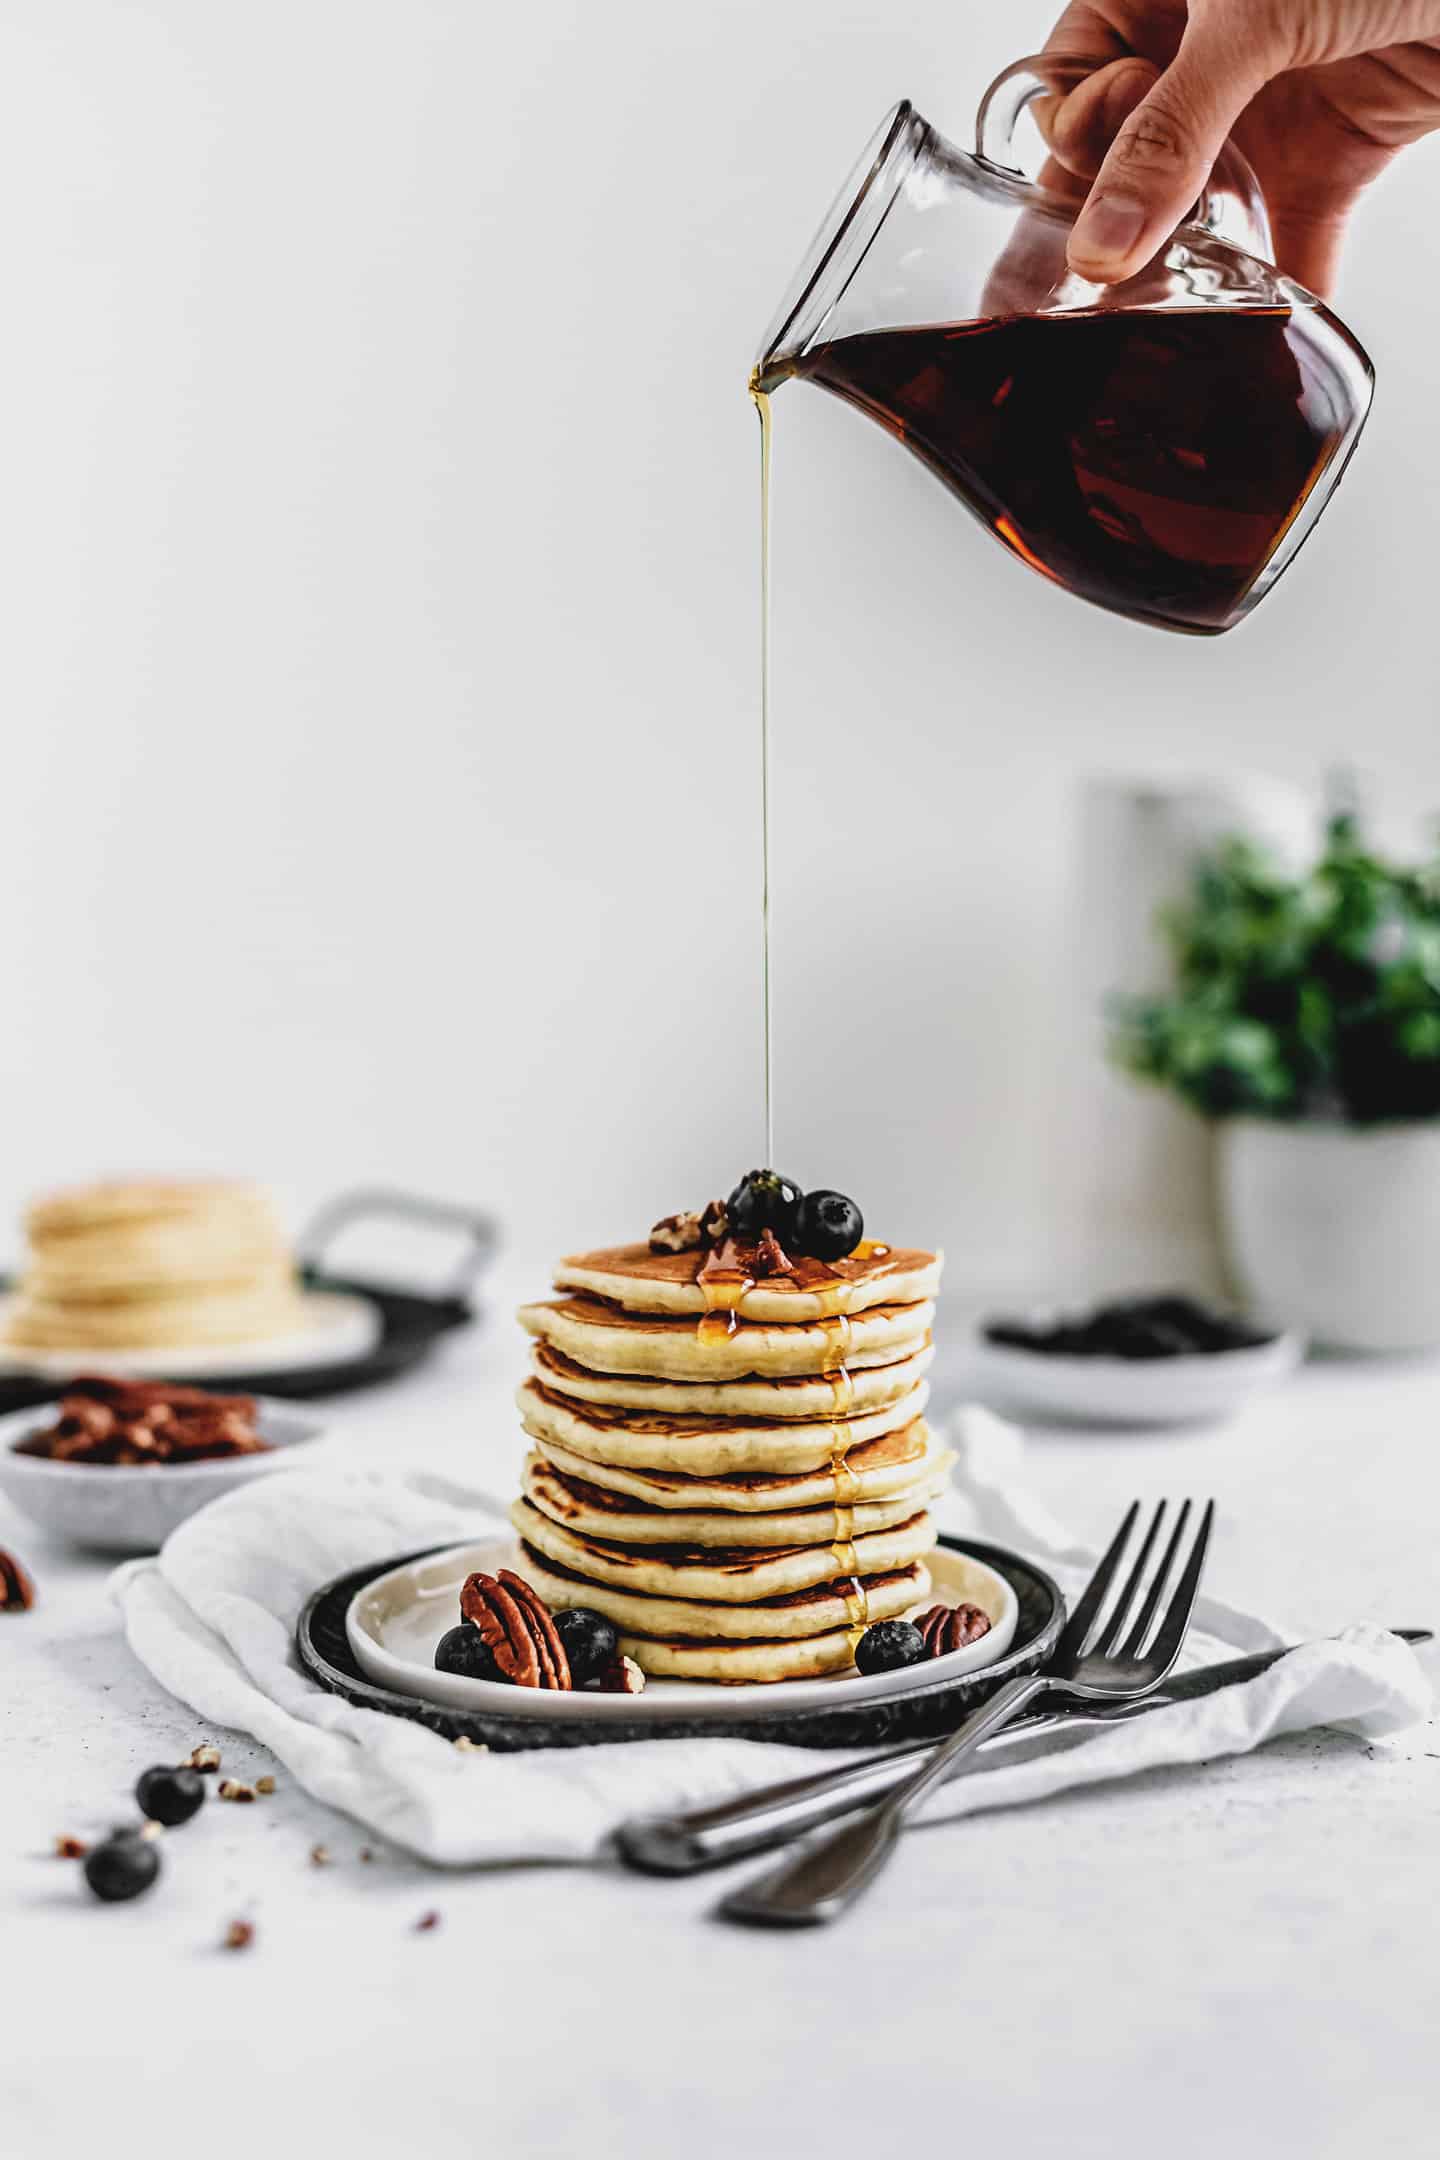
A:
(153, 1264)
(735, 1469)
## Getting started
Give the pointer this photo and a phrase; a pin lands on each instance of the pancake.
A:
(591, 1510)
(219, 1314)
(722, 1575)
(687, 1448)
(787, 1401)
(734, 1664)
(670, 1621)
(884, 1464)
(642, 1281)
(607, 1340)
(141, 1205)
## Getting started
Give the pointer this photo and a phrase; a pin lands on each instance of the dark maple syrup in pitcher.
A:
(1149, 461)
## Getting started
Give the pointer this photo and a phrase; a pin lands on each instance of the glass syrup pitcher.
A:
(1160, 447)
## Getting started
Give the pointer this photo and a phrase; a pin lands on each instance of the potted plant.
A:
(1305, 1015)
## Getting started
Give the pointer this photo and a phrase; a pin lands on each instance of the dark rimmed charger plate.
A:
(921, 1713)
(412, 1322)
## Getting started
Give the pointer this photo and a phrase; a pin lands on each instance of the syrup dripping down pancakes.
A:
(733, 1465)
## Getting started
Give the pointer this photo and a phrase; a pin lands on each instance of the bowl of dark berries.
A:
(117, 1464)
(1154, 1359)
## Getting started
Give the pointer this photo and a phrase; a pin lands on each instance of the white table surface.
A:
(1242, 1960)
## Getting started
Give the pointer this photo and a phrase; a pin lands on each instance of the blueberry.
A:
(763, 1200)
(889, 1646)
(464, 1650)
(830, 1226)
(592, 1643)
(121, 1867)
(170, 1796)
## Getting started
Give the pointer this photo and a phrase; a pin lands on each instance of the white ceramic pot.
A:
(1335, 1230)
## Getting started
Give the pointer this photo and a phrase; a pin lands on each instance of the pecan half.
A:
(949, 1627)
(517, 1630)
(17, 1591)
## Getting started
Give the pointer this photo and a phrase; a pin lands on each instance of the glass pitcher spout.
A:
(1160, 447)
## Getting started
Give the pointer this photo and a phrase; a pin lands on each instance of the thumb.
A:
(1161, 158)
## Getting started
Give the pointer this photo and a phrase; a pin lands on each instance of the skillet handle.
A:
(367, 1202)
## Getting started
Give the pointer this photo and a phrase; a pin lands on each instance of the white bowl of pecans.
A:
(117, 1464)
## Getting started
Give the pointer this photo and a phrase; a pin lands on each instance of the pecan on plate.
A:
(949, 1627)
(622, 1677)
(17, 1591)
(517, 1630)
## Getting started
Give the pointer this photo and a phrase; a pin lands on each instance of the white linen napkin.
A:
(213, 1614)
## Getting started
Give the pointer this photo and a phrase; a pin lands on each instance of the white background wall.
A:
(378, 669)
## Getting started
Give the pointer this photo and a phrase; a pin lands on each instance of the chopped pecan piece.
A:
(676, 1233)
(517, 1630)
(70, 1848)
(17, 1591)
(624, 1677)
(239, 1935)
(950, 1627)
(714, 1224)
(771, 1257)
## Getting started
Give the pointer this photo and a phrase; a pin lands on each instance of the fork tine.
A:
(1092, 1597)
(1166, 1646)
(1157, 1588)
(1114, 1628)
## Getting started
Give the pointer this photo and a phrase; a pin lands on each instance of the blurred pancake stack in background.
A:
(151, 1264)
(729, 1454)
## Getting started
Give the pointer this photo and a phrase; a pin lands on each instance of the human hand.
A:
(1319, 94)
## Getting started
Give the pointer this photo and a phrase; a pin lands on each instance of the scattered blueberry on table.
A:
(126, 1864)
(170, 1795)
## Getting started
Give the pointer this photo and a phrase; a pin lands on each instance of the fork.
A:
(1115, 1658)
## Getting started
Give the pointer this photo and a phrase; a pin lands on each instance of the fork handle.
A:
(831, 1872)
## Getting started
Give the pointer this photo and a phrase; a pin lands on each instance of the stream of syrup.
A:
(724, 1285)
(762, 407)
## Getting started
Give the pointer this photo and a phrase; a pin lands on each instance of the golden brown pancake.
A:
(605, 1339)
(691, 1447)
(723, 1575)
(796, 1402)
(593, 1510)
(647, 1282)
(793, 1617)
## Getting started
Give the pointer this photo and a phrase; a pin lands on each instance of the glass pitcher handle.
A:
(1232, 206)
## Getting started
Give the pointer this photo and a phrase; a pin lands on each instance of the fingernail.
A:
(1107, 228)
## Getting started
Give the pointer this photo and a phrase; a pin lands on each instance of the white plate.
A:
(335, 1327)
(394, 1623)
(1131, 1391)
(132, 1508)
